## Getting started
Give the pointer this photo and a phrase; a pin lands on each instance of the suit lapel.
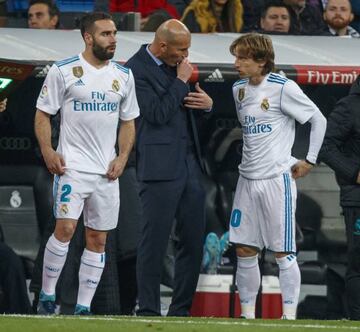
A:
(154, 70)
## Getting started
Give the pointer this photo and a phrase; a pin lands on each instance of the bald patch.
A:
(171, 31)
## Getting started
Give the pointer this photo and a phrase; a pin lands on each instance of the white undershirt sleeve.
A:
(318, 128)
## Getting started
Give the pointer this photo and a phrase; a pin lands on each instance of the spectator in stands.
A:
(180, 5)
(338, 16)
(356, 11)
(3, 13)
(214, 16)
(153, 12)
(252, 14)
(341, 151)
(3, 105)
(319, 4)
(43, 14)
(275, 18)
(305, 19)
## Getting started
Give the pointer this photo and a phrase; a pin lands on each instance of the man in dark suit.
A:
(168, 167)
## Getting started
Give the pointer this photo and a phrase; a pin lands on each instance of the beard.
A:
(337, 23)
(102, 53)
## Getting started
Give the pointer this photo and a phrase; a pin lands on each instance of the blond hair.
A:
(257, 47)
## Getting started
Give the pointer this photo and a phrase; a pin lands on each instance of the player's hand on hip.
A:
(116, 168)
(199, 99)
(55, 163)
(300, 169)
(184, 70)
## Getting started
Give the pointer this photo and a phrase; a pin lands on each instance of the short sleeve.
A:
(235, 92)
(295, 103)
(52, 92)
(129, 108)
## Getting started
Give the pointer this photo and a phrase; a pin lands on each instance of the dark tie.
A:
(171, 71)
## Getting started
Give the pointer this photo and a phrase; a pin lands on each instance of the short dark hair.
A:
(53, 9)
(273, 3)
(257, 47)
(88, 20)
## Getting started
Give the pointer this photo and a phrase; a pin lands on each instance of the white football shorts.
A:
(263, 213)
(94, 194)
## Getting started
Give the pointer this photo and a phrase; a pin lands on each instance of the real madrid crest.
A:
(115, 85)
(78, 71)
(15, 199)
(241, 94)
(64, 209)
(265, 104)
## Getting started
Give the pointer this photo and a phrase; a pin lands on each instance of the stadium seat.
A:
(25, 206)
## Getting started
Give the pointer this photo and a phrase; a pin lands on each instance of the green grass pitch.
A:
(10, 323)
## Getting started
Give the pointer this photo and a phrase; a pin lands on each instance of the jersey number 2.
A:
(66, 190)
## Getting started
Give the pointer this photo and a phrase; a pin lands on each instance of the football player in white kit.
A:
(93, 93)
(263, 213)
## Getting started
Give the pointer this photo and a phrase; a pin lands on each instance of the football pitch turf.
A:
(10, 323)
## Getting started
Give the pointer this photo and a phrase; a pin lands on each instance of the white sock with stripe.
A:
(248, 283)
(91, 269)
(290, 281)
(54, 260)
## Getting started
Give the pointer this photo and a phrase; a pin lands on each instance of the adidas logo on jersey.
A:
(215, 76)
(79, 83)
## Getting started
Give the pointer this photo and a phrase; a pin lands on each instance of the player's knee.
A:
(246, 251)
(64, 230)
(96, 241)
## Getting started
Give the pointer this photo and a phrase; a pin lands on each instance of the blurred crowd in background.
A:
(295, 17)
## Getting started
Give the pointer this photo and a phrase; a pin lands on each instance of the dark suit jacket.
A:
(162, 134)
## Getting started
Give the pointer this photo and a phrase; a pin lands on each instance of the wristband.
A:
(309, 162)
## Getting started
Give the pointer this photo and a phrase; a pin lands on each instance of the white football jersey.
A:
(91, 101)
(267, 113)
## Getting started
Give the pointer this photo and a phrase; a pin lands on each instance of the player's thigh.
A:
(101, 210)
(244, 223)
(70, 190)
(277, 212)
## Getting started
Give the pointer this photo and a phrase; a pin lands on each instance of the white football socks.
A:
(248, 283)
(54, 260)
(290, 281)
(91, 269)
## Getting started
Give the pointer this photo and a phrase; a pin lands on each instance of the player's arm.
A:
(49, 102)
(129, 110)
(297, 105)
(54, 162)
(126, 139)
(318, 128)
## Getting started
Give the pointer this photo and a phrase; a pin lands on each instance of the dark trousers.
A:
(352, 280)
(13, 283)
(182, 199)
